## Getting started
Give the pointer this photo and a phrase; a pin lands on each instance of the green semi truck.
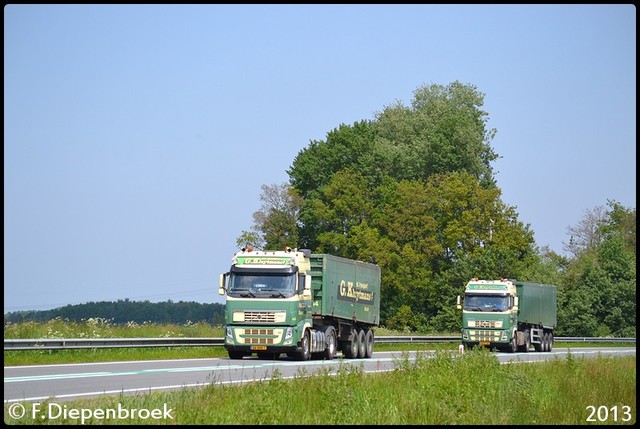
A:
(508, 315)
(301, 304)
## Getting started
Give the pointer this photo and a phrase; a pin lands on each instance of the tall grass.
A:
(445, 389)
(104, 328)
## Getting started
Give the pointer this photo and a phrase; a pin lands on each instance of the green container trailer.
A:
(345, 289)
(537, 304)
(301, 304)
(509, 315)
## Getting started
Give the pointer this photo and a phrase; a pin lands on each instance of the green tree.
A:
(599, 286)
(444, 130)
(413, 191)
(275, 224)
(347, 146)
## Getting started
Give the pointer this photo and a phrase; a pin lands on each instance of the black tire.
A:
(513, 346)
(369, 340)
(539, 347)
(305, 353)
(361, 345)
(331, 343)
(545, 342)
(350, 348)
(527, 342)
(235, 355)
(550, 341)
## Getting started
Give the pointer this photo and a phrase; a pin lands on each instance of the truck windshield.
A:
(486, 302)
(262, 285)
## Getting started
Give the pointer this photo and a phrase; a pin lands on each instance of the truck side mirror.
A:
(459, 303)
(304, 283)
(222, 286)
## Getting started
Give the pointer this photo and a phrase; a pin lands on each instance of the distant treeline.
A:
(123, 311)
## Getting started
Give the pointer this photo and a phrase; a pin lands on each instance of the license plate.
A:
(484, 343)
(258, 347)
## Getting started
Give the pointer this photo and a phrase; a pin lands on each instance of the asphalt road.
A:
(73, 381)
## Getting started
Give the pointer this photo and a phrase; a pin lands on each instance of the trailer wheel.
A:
(550, 341)
(368, 343)
(362, 351)
(305, 353)
(330, 338)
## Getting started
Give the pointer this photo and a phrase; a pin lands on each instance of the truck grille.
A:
(484, 335)
(486, 324)
(259, 335)
(258, 340)
(259, 317)
(251, 331)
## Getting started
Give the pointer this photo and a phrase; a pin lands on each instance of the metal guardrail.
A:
(103, 343)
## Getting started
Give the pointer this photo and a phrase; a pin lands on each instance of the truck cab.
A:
(508, 315)
(268, 304)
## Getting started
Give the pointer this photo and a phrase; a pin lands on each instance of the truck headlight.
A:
(230, 332)
(289, 334)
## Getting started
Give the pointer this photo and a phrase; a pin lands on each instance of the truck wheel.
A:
(350, 348)
(540, 347)
(368, 343)
(513, 347)
(235, 355)
(527, 342)
(361, 345)
(550, 341)
(305, 353)
(330, 338)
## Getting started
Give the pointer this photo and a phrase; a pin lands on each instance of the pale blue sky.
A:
(136, 138)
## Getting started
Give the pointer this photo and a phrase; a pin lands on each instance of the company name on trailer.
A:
(357, 291)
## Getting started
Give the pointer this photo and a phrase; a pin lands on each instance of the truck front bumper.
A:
(263, 338)
(263, 349)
